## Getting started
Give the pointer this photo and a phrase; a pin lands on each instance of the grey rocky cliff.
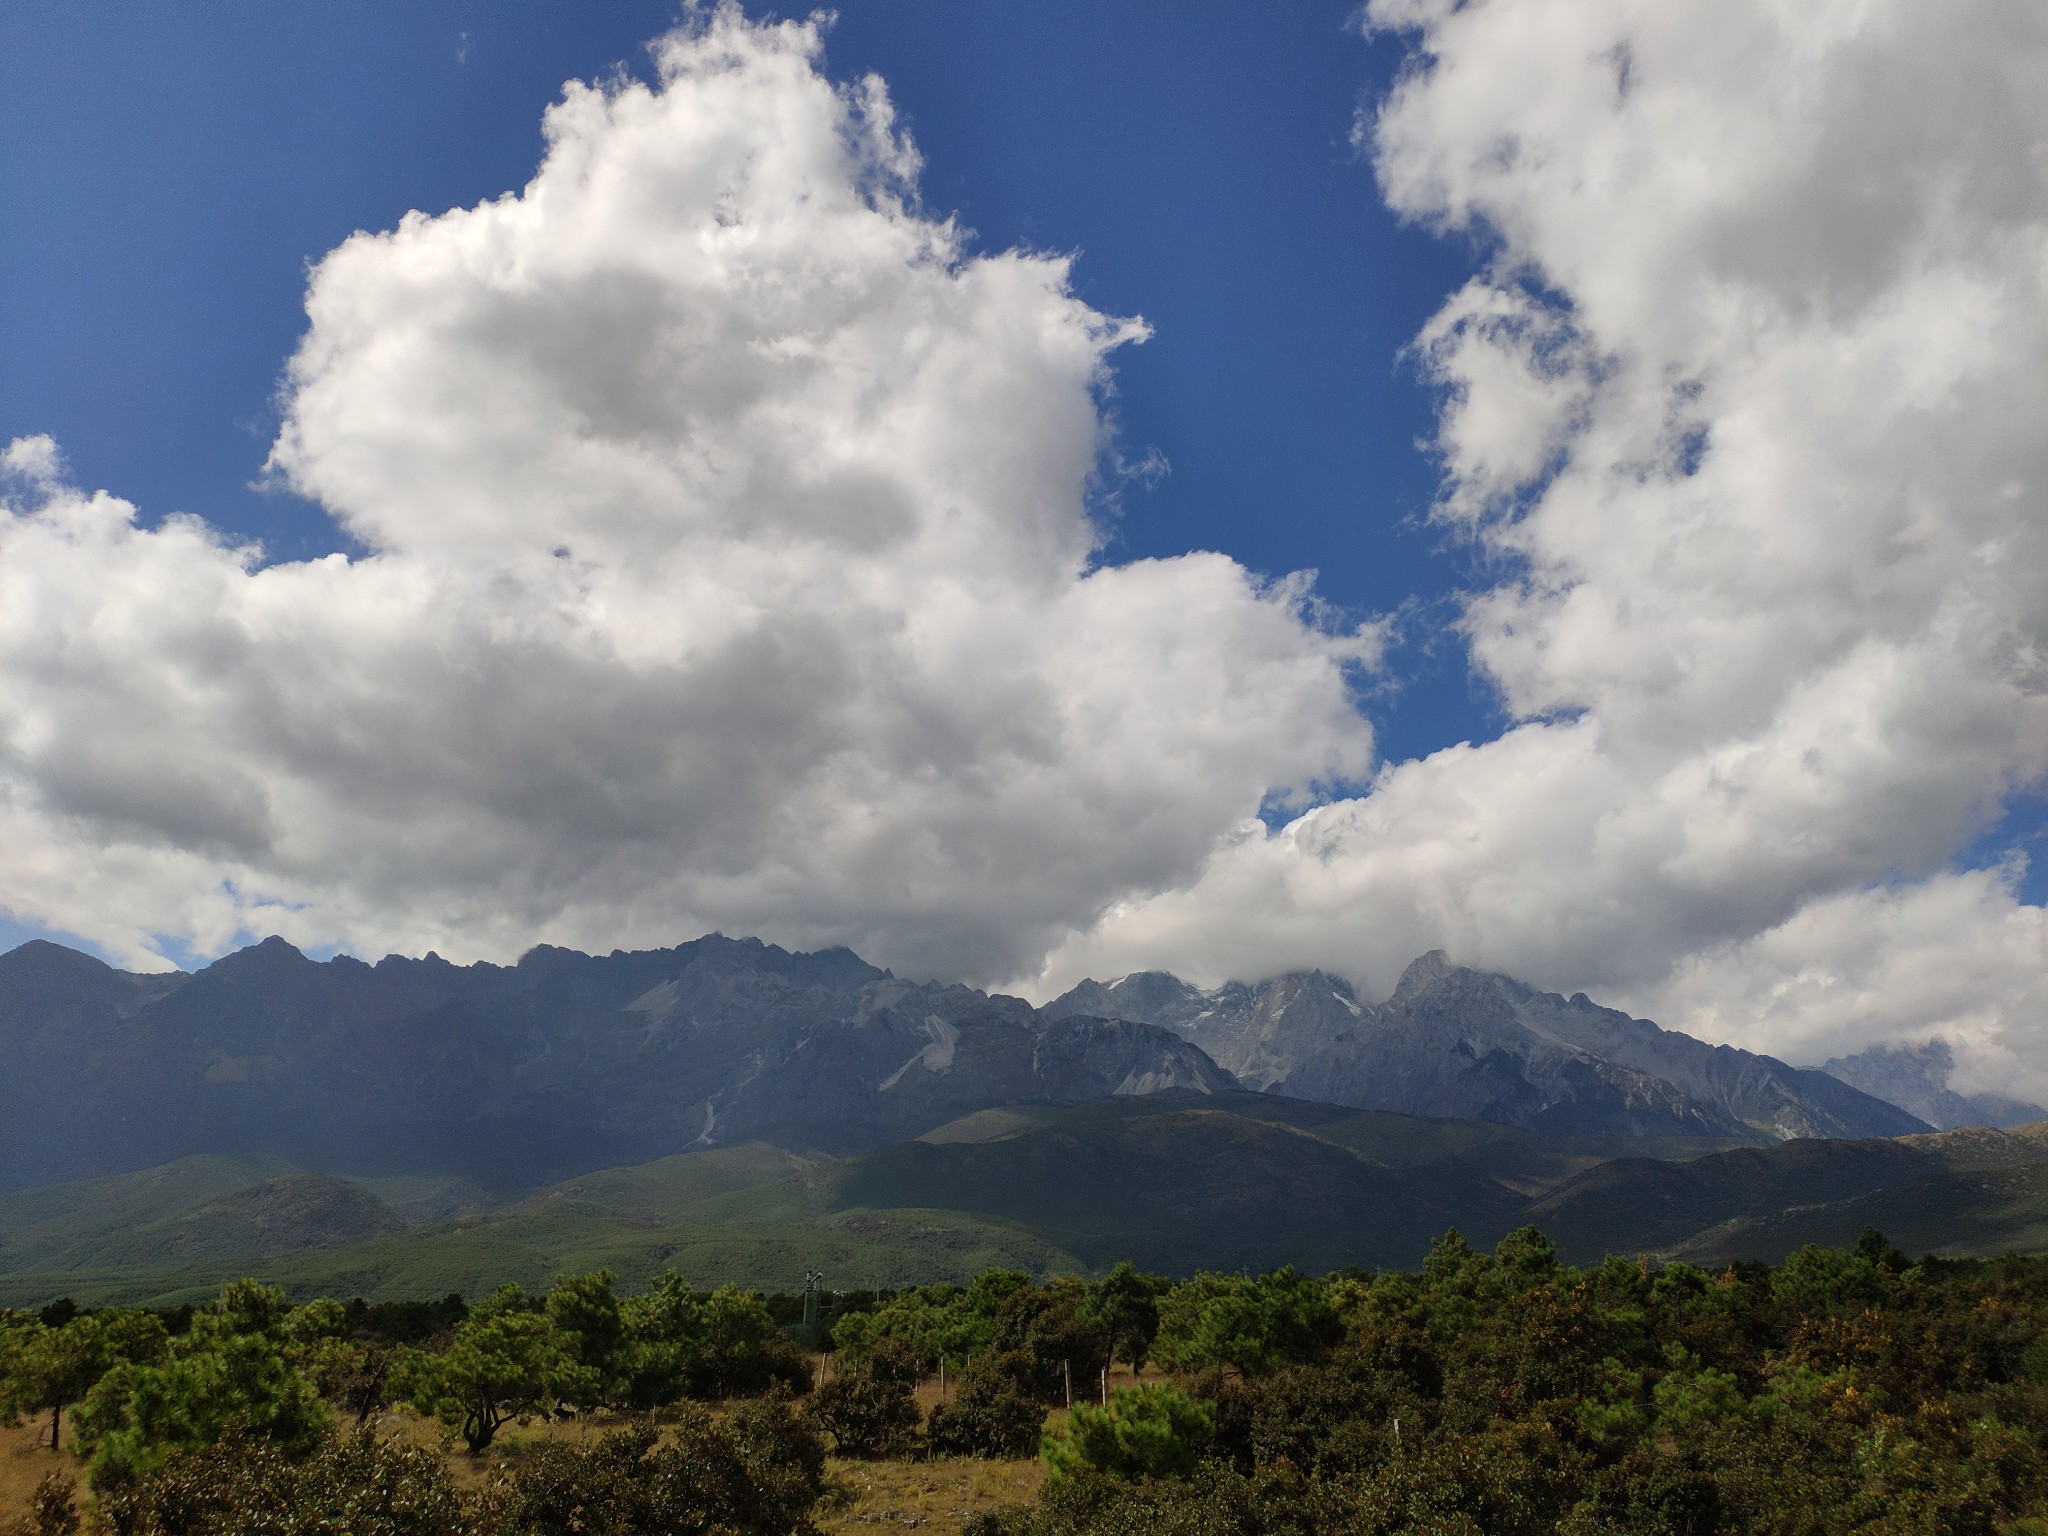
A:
(1475, 1045)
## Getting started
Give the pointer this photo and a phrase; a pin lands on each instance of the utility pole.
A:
(1067, 1371)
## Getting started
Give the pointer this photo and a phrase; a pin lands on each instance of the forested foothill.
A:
(1500, 1392)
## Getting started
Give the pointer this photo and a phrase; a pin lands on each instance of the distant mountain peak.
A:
(266, 954)
(1916, 1078)
(42, 955)
(1423, 971)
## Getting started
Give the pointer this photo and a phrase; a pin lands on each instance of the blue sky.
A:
(172, 169)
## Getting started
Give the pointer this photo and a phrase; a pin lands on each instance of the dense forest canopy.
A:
(1498, 1392)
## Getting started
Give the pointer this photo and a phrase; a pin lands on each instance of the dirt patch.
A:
(26, 1459)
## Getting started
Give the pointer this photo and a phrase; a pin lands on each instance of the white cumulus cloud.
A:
(727, 562)
(1749, 409)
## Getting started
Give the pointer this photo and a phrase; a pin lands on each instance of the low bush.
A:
(759, 1473)
(996, 1412)
(246, 1485)
(868, 1409)
(1141, 1432)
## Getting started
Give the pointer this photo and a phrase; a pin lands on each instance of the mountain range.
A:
(740, 1111)
(515, 1075)
(512, 1076)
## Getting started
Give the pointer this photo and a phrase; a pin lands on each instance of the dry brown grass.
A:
(922, 1495)
(512, 1442)
(860, 1496)
(26, 1459)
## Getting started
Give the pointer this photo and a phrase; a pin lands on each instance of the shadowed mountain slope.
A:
(516, 1075)
(1179, 1181)
(1180, 1189)
(1975, 1191)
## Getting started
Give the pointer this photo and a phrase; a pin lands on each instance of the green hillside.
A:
(1176, 1182)
(131, 1217)
(203, 1214)
(1959, 1193)
(751, 1214)
(1182, 1189)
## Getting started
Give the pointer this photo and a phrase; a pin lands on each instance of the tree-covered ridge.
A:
(1499, 1392)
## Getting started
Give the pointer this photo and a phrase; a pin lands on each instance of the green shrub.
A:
(507, 1362)
(1214, 1502)
(743, 1351)
(245, 1485)
(1050, 1326)
(1255, 1326)
(758, 1474)
(868, 1409)
(229, 1370)
(1150, 1431)
(995, 1412)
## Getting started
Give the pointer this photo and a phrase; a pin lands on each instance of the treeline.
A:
(1499, 1393)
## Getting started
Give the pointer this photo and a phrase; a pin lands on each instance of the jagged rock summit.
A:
(1475, 1045)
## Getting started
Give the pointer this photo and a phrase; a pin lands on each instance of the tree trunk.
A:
(478, 1428)
(56, 1423)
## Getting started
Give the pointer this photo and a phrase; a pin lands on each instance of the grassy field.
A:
(939, 1496)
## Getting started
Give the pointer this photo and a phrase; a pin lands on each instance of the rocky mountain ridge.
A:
(513, 1075)
(1469, 1044)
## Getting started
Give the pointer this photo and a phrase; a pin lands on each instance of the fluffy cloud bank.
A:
(727, 563)
(1748, 408)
